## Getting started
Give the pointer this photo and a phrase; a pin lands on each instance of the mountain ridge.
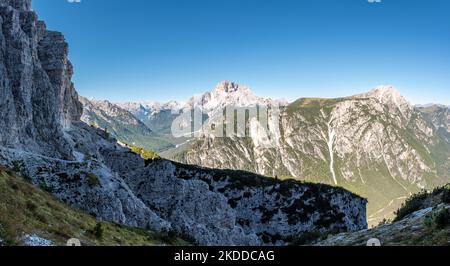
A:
(315, 141)
(381, 111)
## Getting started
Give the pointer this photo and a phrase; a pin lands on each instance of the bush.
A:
(172, 235)
(384, 222)
(7, 236)
(98, 231)
(145, 154)
(14, 186)
(411, 205)
(169, 236)
(446, 195)
(46, 187)
(31, 206)
(107, 135)
(429, 221)
(309, 237)
(93, 180)
(442, 219)
(17, 166)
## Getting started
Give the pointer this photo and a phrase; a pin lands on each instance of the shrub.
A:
(93, 180)
(107, 135)
(309, 237)
(31, 206)
(384, 222)
(411, 205)
(442, 219)
(169, 236)
(446, 195)
(41, 217)
(98, 231)
(145, 154)
(172, 235)
(428, 221)
(7, 235)
(14, 186)
(46, 187)
(17, 166)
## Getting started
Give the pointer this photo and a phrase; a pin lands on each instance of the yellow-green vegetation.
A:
(93, 180)
(25, 209)
(311, 107)
(145, 154)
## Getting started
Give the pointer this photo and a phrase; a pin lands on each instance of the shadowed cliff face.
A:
(37, 98)
(42, 139)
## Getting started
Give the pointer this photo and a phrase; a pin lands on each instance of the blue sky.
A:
(172, 49)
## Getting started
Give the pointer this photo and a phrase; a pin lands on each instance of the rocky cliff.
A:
(439, 116)
(122, 124)
(42, 138)
(37, 98)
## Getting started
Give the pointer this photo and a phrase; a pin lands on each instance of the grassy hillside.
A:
(26, 210)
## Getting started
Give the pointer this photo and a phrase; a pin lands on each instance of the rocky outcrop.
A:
(439, 115)
(42, 138)
(37, 98)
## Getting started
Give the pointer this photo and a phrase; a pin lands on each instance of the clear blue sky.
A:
(161, 50)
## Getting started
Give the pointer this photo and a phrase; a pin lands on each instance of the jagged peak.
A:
(227, 93)
(384, 93)
(151, 106)
(388, 95)
(23, 5)
(230, 87)
(384, 90)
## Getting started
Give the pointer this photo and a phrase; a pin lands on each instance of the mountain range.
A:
(375, 144)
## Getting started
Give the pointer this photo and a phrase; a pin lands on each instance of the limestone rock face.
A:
(38, 100)
(439, 115)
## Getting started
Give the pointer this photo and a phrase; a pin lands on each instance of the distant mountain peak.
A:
(227, 93)
(388, 95)
(432, 105)
(230, 87)
(385, 91)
